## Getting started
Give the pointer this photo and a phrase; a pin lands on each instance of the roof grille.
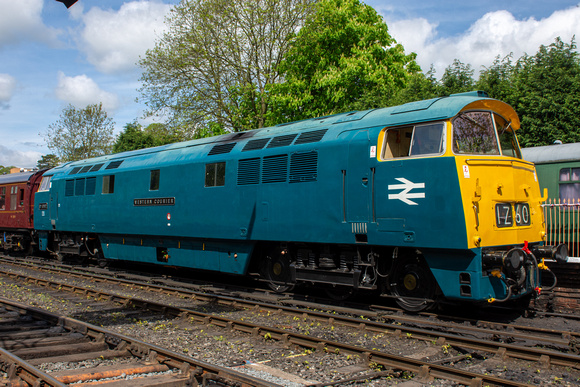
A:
(74, 170)
(114, 164)
(281, 140)
(255, 144)
(96, 167)
(221, 149)
(86, 168)
(309, 137)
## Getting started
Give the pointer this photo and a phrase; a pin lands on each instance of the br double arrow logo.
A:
(405, 195)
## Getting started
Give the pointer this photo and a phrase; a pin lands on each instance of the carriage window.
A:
(109, 184)
(414, 141)
(154, 180)
(2, 198)
(474, 133)
(13, 198)
(215, 174)
(569, 184)
(44, 184)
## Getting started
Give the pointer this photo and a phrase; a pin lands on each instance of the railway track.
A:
(31, 337)
(434, 327)
(502, 350)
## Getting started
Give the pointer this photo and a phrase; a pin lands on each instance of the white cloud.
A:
(7, 87)
(114, 40)
(21, 20)
(495, 33)
(22, 159)
(81, 91)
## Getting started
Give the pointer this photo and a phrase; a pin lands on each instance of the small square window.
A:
(109, 184)
(215, 174)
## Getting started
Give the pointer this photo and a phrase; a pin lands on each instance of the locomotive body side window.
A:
(215, 174)
(109, 184)
(154, 180)
(416, 140)
(474, 133)
(2, 198)
(569, 183)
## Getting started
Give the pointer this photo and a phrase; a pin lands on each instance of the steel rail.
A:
(568, 340)
(565, 340)
(422, 368)
(20, 369)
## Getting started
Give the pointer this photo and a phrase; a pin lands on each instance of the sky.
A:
(51, 56)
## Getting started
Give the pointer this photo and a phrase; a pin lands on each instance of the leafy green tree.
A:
(548, 94)
(136, 137)
(47, 161)
(497, 79)
(457, 78)
(5, 170)
(342, 59)
(210, 71)
(419, 87)
(80, 133)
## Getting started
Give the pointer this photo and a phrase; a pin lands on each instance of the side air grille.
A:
(114, 164)
(281, 141)
(69, 188)
(85, 169)
(249, 171)
(303, 167)
(255, 144)
(309, 137)
(79, 187)
(275, 169)
(91, 185)
(221, 149)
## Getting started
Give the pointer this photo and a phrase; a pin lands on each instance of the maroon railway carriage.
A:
(17, 210)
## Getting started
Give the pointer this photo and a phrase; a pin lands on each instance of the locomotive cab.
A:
(490, 246)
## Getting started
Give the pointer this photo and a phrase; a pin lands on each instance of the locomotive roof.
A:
(21, 177)
(552, 153)
(413, 112)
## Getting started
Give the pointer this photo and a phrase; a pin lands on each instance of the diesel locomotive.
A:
(421, 202)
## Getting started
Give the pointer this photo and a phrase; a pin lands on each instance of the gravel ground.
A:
(260, 356)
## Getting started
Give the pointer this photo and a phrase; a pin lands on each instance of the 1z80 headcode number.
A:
(506, 212)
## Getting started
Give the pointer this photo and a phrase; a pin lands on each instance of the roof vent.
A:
(221, 149)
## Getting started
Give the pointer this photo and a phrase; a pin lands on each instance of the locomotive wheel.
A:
(413, 284)
(277, 272)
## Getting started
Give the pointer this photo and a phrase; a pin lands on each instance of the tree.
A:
(5, 170)
(457, 78)
(80, 133)
(342, 59)
(548, 94)
(47, 161)
(211, 69)
(135, 137)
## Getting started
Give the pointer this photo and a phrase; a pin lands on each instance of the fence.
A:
(563, 224)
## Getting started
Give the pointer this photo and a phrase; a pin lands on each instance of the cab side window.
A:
(415, 140)
(215, 174)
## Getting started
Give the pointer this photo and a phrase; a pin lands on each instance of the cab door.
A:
(358, 182)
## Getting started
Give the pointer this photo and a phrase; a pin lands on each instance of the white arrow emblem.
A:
(405, 195)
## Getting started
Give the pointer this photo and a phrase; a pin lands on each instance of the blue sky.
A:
(51, 56)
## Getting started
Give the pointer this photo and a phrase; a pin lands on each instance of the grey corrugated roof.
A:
(552, 153)
(15, 177)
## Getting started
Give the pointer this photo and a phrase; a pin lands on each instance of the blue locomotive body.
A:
(378, 199)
